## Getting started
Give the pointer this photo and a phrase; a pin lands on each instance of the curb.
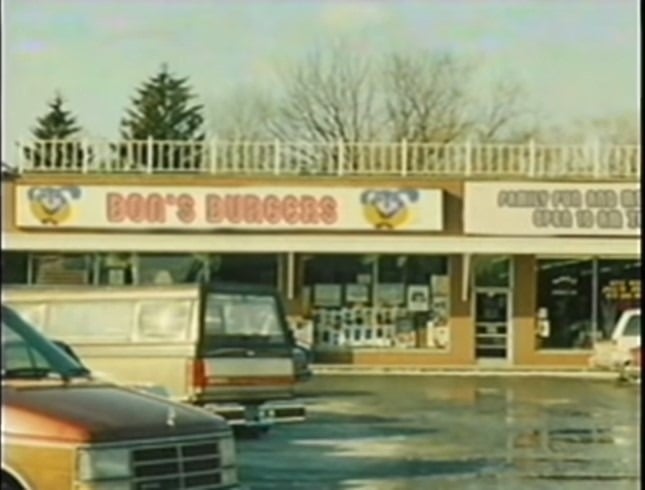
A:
(321, 370)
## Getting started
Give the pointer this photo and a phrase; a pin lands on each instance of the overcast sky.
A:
(577, 58)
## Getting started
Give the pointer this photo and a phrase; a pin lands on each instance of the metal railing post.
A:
(596, 158)
(213, 155)
(404, 157)
(638, 163)
(531, 158)
(468, 158)
(341, 158)
(85, 155)
(276, 156)
(150, 156)
(20, 157)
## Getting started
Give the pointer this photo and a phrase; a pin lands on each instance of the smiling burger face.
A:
(52, 202)
(387, 204)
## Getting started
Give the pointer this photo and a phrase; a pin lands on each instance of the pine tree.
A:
(55, 146)
(163, 110)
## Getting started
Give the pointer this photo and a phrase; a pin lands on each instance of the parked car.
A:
(622, 353)
(63, 429)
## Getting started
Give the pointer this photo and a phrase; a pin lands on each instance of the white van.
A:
(627, 333)
(223, 347)
(622, 351)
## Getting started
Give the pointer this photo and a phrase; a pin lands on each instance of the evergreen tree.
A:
(163, 109)
(55, 146)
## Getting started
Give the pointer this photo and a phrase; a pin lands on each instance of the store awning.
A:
(318, 243)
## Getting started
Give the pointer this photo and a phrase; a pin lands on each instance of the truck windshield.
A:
(241, 320)
(26, 354)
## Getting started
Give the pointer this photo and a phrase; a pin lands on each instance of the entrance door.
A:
(492, 318)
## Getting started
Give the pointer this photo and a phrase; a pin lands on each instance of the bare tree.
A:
(619, 129)
(502, 115)
(425, 97)
(337, 97)
(623, 129)
(245, 115)
(329, 97)
(430, 98)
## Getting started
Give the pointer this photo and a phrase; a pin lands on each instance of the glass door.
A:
(491, 323)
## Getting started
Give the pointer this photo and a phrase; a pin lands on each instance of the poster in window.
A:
(329, 295)
(405, 335)
(418, 298)
(364, 278)
(357, 293)
(390, 293)
(116, 277)
(439, 310)
(440, 285)
(306, 299)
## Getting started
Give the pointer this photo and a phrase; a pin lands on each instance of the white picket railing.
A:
(279, 158)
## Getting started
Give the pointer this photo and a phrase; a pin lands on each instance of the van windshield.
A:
(26, 354)
(633, 327)
(241, 320)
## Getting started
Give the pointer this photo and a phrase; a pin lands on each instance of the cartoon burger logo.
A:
(388, 209)
(52, 205)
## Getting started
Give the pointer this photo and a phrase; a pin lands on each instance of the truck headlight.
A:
(103, 464)
(227, 452)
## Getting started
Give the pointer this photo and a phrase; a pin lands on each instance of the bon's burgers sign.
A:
(234, 208)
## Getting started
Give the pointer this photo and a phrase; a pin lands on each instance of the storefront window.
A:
(115, 269)
(388, 301)
(564, 301)
(169, 269)
(62, 268)
(619, 289)
(15, 268)
(260, 269)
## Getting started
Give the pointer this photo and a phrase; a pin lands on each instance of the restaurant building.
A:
(448, 271)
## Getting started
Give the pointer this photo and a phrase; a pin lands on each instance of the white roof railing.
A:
(281, 158)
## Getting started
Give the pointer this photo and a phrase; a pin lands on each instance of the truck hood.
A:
(96, 412)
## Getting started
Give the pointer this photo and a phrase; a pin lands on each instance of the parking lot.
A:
(408, 432)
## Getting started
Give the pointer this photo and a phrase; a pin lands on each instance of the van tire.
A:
(9, 482)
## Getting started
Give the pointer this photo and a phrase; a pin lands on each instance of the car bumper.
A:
(262, 415)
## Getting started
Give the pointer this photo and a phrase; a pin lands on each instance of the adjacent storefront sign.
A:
(528, 208)
(229, 208)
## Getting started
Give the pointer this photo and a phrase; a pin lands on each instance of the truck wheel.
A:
(252, 432)
(259, 432)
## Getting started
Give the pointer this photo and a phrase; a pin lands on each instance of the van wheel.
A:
(8, 483)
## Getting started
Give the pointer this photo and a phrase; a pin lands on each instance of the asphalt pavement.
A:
(420, 433)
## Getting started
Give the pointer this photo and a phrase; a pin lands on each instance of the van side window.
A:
(633, 327)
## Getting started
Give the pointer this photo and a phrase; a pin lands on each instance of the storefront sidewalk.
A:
(348, 369)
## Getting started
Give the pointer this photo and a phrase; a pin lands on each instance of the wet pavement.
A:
(408, 432)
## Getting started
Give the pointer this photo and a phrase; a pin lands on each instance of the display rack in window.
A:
(403, 316)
